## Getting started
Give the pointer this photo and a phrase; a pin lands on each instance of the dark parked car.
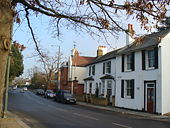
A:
(65, 96)
(49, 94)
(40, 92)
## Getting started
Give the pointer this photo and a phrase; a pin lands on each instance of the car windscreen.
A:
(49, 91)
(68, 95)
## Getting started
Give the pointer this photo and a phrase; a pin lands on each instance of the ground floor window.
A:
(103, 87)
(90, 88)
(127, 88)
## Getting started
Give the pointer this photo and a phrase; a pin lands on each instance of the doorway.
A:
(150, 94)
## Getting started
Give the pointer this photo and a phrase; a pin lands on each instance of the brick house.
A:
(73, 72)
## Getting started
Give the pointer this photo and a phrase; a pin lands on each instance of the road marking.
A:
(85, 116)
(58, 109)
(124, 126)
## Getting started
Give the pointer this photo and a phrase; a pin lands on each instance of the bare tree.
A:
(89, 15)
(50, 65)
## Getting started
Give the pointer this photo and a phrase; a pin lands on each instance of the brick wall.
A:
(66, 85)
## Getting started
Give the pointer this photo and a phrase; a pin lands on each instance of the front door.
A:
(150, 98)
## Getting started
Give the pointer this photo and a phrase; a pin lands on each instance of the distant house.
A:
(134, 77)
(100, 77)
(73, 72)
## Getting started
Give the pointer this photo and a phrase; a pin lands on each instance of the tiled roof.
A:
(81, 61)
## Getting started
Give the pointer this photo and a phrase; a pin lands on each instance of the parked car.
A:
(65, 96)
(21, 90)
(25, 89)
(40, 92)
(14, 88)
(49, 94)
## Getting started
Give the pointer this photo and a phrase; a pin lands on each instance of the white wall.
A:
(99, 73)
(74, 71)
(139, 76)
(80, 73)
(165, 67)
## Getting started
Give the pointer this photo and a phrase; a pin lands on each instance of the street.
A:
(38, 112)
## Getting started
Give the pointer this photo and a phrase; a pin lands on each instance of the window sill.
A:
(128, 71)
(148, 69)
(128, 97)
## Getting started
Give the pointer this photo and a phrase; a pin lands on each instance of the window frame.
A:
(128, 62)
(128, 89)
(107, 67)
(93, 70)
(150, 58)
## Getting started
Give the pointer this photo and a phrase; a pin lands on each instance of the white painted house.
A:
(101, 75)
(143, 78)
(139, 77)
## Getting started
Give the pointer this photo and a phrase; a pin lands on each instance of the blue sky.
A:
(86, 45)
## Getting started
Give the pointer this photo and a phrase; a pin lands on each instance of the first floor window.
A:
(129, 61)
(151, 58)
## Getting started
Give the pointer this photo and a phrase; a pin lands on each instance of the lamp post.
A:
(58, 66)
(6, 86)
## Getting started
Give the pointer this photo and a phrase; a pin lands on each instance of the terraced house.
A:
(137, 75)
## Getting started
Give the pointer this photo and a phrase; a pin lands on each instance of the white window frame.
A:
(107, 67)
(90, 87)
(128, 62)
(147, 59)
(109, 82)
(127, 83)
(103, 87)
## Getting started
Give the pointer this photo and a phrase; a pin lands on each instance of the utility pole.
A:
(58, 66)
(72, 86)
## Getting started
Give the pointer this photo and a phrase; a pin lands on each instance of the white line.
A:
(85, 116)
(124, 126)
(58, 109)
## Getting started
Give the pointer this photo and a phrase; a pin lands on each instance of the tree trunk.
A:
(6, 23)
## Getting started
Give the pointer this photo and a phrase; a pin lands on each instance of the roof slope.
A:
(81, 61)
(105, 57)
(147, 41)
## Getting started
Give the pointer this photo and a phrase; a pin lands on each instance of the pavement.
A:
(12, 121)
(128, 112)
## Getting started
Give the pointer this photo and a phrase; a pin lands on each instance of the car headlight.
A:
(67, 99)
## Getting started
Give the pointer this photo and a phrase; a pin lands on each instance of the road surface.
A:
(38, 112)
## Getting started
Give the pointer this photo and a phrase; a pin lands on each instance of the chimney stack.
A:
(129, 38)
(101, 51)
